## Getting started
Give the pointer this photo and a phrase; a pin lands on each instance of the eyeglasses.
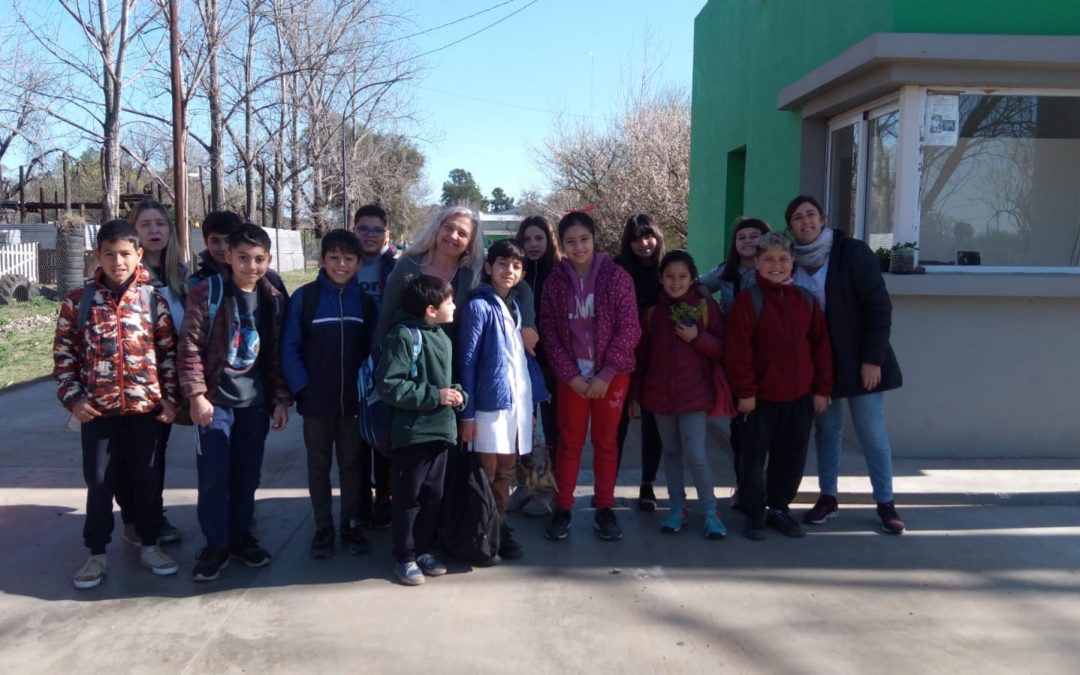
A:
(366, 229)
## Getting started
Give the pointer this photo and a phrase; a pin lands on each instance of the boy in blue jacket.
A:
(325, 339)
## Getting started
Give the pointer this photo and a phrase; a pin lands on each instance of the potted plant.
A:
(903, 258)
(884, 257)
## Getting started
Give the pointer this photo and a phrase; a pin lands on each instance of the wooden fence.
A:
(20, 259)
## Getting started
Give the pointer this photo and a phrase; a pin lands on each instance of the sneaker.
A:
(508, 548)
(825, 508)
(322, 544)
(248, 551)
(169, 532)
(559, 526)
(383, 516)
(210, 563)
(714, 527)
(755, 529)
(676, 521)
(538, 506)
(606, 526)
(646, 499)
(430, 565)
(781, 521)
(489, 562)
(157, 562)
(890, 519)
(518, 499)
(354, 541)
(409, 574)
(130, 536)
(91, 573)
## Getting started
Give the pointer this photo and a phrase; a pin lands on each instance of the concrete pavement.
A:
(985, 581)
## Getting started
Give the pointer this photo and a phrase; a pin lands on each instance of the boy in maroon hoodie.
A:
(779, 365)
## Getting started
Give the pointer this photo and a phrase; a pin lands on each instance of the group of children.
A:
(244, 351)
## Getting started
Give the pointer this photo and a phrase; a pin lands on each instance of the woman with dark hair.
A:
(640, 251)
(845, 277)
(590, 329)
(737, 271)
(537, 239)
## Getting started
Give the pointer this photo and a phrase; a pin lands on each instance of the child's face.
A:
(535, 242)
(444, 313)
(153, 229)
(505, 274)
(578, 244)
(340, 266)
(218, 245)
(676, 279)
(643, 247)
(774, 264)
(372, 233)
(249, 263)
(746, 242)
(118, 259)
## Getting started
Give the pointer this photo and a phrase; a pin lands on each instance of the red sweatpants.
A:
(574, 413)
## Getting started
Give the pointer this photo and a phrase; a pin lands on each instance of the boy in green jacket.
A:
(414, 378)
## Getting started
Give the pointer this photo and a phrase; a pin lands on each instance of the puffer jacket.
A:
(119, 361)
(203, 348)
(675, 377)
(617, 327)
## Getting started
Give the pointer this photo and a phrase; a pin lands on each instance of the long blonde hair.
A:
(175, 273)
(423, 243)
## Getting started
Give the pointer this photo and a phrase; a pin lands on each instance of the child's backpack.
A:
(470, 527)
(376, 415)
(758, 298)
(146, 297)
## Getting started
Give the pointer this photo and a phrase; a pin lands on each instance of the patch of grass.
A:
(26, 338)
(297, 278)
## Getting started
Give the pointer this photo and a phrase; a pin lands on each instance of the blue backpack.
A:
(376, 415)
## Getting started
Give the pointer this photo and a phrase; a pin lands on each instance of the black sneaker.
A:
(781, 521)
(169, 532)
(559, 526)
(210, 563)
(354, 541)
(248, 551)
(825, 508)
(384, 515)
(755, 529)
(890, 519)
(606, 526)
(322, 545)
(646, 500)
(508, 548)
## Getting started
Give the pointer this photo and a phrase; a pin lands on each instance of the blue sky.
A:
(539, 59)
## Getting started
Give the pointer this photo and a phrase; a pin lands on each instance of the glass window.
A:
(1006, 194)
(843, 177)
(882, 133)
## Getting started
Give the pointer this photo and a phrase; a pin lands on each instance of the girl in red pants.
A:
(589, 324)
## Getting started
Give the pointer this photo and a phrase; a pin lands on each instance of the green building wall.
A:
(746, 51)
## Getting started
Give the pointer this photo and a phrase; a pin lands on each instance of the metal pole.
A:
(179, 134)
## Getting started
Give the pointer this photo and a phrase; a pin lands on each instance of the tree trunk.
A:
(217, 123)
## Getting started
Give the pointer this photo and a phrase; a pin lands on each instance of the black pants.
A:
(124, 448)
(774, 436)
(548, 419)
(125, 492)
(419, 473)
(323, 437)
(651, 449)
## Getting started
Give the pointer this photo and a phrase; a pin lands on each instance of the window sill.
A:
(985, 284)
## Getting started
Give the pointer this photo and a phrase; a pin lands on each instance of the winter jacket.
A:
(781, 355)
(203, 348)
(120, 362)
(646, 282)
(617, 327)
(419, 416)
(208, 267)
(673, 376)
(713, 281)
(321, 361)
(482, 356)
(859, 316)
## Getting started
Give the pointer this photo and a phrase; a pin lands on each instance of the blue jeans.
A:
(683, 436)
(868, 415)
(229, 460)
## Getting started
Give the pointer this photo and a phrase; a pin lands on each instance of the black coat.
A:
(859, 315)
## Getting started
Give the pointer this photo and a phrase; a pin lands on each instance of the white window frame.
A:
(910, 100)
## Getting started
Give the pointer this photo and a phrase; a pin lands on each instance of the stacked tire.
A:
(70, 253)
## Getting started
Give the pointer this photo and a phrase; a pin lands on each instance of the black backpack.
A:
(470, 525)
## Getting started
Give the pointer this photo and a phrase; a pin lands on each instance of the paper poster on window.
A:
(942, 123)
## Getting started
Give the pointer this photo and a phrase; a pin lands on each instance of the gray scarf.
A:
(812, 256)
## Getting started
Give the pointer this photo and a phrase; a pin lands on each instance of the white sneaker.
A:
(130, 536)
(92, 572)
(158, 563)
